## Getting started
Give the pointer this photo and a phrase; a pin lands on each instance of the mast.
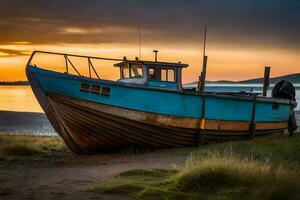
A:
(203, 73)
(140, 42)
(201, 85)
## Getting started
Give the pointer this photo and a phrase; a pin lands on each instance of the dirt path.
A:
(72, 177)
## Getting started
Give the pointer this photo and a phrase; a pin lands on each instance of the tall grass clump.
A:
(236, 177)
(213, 176)
(13, 146)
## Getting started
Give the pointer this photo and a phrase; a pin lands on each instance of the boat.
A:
(148, 107)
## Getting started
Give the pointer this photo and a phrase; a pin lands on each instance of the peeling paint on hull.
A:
(88, 126)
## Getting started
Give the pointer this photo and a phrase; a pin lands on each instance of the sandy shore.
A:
(63, 175)
(70, 176)
(59, 174)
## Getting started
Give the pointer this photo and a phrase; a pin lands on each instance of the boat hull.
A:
(88, 126)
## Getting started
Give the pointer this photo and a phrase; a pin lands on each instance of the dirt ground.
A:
(70, 176)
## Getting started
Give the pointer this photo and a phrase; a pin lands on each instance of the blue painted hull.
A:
(140, 116)
(162, 101)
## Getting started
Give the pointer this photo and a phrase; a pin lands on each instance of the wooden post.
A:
(252, 128)
(201, 87)
(199, 83)
(201, 133)
(203, 74)
(266, 81)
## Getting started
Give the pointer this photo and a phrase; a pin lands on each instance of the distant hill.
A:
(293, 78)
(14, 83)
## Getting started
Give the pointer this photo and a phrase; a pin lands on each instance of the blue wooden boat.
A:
(147, 107)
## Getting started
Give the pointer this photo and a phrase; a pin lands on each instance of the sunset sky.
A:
(243, 35)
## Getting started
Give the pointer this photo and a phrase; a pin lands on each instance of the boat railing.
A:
(68, 62)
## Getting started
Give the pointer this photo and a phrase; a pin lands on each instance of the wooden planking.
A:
(167, 120)
(80, 131)
(50, 113)
(87, 127)
(94, 130)
(243, 126)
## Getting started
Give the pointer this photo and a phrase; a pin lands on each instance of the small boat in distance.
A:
(148, 107)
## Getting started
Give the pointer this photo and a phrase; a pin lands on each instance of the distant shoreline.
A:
(6, 83)
(294, 78)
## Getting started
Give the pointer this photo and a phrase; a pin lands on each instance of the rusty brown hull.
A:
(88, 127)
(93, 127)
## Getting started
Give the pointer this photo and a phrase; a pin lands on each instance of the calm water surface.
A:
(18, 98)
(21, 98)
(256, 88)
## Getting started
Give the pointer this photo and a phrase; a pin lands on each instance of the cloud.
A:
(77, 30)
(12, 53)
(248, 23)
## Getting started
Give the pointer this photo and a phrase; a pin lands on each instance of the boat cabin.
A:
(153, 74)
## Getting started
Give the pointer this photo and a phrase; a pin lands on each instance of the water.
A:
(18, 98)
(232, 87)
(20, 112)
(22, 99)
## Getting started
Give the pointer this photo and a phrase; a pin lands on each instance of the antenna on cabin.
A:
(203, 73)
(204, 44)
(140, 56)
(155, 52)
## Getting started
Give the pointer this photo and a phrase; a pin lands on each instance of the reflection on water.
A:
(234, 87)
(18, 98)
(25, 123)
(21, 114)
(21, 98)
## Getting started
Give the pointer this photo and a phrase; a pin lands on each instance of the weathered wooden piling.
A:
(266, 80)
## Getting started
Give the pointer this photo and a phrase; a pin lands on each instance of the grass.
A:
(23, 147)
(265, 168)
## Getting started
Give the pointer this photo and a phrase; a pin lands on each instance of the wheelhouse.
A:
(153, 74)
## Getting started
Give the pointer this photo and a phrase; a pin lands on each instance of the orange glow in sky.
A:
(224, 62)
(242, 38)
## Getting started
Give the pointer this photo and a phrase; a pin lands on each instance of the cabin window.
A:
(85, 87)
(154, 74)
(151, 74)
(95, 89)
(158, 74)
(125, 72)
(164, 75)
(275, 106)
(171, 75)
(132, 71)
(136, 71)
(105, 91)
